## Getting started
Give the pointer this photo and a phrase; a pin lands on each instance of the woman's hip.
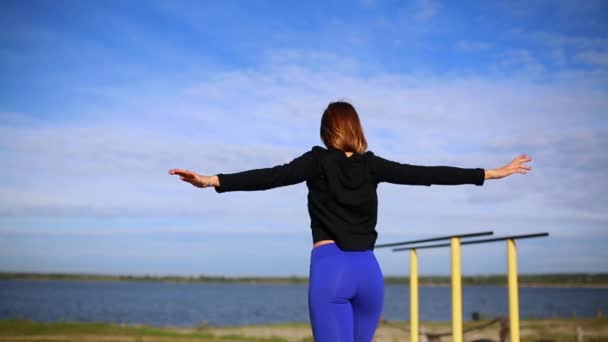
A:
(329, 257)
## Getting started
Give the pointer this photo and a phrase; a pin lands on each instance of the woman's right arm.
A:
(296, 171)
(398, 173)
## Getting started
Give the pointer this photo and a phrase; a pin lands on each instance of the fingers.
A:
(516, 166)
(521, 166)
(182, 172)
(176, 171)
(519, 161)
(189, 177)
(523, 169)
(523, 158)
(185, 175)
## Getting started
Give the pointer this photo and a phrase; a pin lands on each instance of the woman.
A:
(346, 287)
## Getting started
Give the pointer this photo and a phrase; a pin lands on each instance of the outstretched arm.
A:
(398, 173)
(296, 171)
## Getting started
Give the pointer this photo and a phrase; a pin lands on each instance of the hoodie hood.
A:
(348, 178)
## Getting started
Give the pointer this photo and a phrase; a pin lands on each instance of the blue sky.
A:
(98, 99)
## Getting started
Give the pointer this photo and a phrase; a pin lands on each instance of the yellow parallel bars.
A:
(457, 334)
(513, 290)
(414, 320)
(455, 244)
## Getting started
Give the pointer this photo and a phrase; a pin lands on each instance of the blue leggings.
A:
(345, 294)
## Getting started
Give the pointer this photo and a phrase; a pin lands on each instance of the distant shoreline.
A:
(598, 280)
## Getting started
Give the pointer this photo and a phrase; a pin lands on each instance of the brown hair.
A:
(341, 128)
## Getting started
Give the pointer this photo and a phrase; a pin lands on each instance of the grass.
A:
(595, 329)
(74, 330)
(531, 330)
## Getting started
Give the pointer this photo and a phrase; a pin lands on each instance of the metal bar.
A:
(414, 319)
(434, 239)
(457, 334)
(513, 291)
(512, 237)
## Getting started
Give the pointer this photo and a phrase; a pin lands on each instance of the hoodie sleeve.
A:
(393, 172)
(298, 170)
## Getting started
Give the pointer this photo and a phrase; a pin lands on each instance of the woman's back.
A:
(342, 200)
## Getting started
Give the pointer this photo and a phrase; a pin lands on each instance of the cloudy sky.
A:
(98, 99)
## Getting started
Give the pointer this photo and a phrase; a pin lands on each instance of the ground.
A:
(531, 330)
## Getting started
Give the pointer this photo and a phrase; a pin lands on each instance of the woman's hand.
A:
(515, 166)
(194, 178)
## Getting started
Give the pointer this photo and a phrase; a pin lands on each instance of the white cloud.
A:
(426, 9)
(594, 57)
(118, 168)
(564, 52)
(526, 64)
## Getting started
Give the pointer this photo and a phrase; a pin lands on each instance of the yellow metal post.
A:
(513, 291)
(414, 320)
(457, 334)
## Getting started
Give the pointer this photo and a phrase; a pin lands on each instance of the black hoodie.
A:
(342, 199)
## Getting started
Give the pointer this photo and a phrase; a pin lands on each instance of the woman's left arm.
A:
(394, 172)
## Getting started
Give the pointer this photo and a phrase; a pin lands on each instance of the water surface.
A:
(189, 304)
